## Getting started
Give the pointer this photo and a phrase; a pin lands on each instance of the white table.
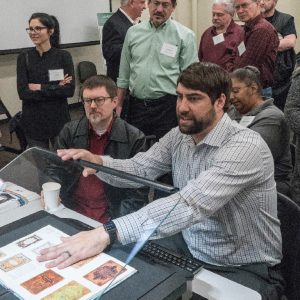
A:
(34, 206)
(216, 287)
(205, 283)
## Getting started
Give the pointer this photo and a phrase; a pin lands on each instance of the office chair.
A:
(19, 132)
(86, 69)
(289, 216)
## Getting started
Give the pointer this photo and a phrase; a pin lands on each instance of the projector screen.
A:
(77, 19)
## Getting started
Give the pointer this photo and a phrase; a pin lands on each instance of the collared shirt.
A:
(128, 17)
(223, 53)
(152, 58)
(89, 194)
(226, 205)
(261, 43)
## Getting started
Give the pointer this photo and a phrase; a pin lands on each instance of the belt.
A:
(149, 102)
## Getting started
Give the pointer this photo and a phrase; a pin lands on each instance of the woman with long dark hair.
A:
(45, 78)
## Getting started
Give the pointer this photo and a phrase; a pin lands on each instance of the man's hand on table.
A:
(75, 248)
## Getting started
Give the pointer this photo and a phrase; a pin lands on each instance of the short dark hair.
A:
(248, 75)
(174, 2)
(50, 22)
(208, 78)
(100, 81)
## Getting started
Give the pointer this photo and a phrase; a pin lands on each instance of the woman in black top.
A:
(45, 78)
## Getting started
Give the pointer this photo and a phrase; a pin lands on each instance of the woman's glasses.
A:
(36, 29)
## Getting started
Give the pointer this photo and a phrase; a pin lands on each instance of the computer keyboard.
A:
(157, 252)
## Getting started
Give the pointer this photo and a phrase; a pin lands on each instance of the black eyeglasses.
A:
(36, 29)
(98, 100)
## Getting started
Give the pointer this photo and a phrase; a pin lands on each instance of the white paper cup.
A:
(51, 195)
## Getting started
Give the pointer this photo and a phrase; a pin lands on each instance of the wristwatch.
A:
(111, 229)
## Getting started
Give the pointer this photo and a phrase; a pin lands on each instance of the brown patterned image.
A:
(41, 282)
(105, 273)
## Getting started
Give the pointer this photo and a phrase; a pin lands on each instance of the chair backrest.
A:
(86, 69)
(21, 139)
(4, 111)
(289, 216)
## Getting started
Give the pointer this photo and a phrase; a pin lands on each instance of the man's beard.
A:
(94, 117)
(198, 125)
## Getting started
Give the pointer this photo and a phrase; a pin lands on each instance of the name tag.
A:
(169, 50)
(56, 75)
(218, 39)
(241, 48)
(246, 120)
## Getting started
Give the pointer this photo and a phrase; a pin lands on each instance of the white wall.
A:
(195, 14)
(8, 88)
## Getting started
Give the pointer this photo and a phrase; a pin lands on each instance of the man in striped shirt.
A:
(226, 206)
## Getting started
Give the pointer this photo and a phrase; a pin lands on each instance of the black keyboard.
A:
(157, 252)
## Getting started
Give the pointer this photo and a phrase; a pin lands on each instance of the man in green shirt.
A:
(154, 54)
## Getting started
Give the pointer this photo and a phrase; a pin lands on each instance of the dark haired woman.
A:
(261, 115)
(45, 78)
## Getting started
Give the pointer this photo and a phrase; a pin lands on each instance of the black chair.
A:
(289, 216)
(86, 69)
(19, 133)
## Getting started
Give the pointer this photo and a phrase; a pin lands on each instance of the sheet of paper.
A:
(22, 273)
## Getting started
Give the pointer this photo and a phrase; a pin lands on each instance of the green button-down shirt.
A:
(152, 58)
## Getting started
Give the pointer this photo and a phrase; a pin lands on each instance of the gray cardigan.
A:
(270, 123)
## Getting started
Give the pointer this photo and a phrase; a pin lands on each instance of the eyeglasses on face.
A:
(165, 5)
(243, 5)
(36, 29)
(98, 100)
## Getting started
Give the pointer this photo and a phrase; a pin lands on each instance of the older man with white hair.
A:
(114, 32)
(219, 42)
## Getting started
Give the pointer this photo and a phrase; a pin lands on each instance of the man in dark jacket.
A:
(101, 132)
(114, 32)
(286, 57)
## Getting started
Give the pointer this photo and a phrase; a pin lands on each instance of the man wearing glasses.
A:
(219, 42)
(101, 132)
(153, 55)
(260, 45)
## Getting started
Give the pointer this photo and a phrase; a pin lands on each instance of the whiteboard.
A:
(77, 19)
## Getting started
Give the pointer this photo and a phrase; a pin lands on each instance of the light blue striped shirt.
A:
(227, 207)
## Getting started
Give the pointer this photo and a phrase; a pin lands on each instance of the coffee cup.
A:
(51, 195)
